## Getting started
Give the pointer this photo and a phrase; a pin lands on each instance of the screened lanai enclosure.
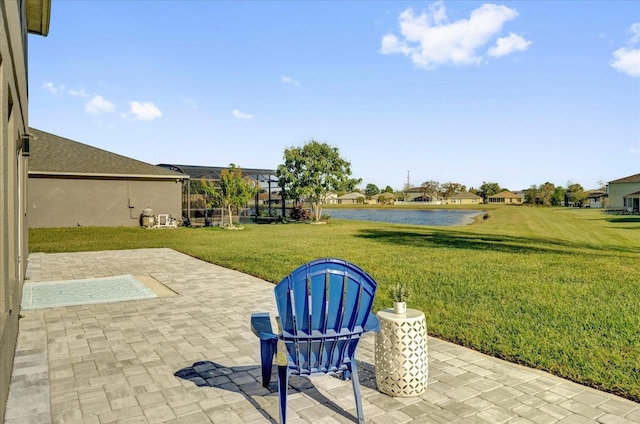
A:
(198, 208)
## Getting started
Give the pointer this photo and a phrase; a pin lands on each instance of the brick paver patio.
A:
(191, 358)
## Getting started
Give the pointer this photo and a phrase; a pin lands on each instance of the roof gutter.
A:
(44, 174)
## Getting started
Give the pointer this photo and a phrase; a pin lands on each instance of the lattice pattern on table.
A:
(401, 357)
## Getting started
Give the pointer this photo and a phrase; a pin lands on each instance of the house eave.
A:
(38, 16)
(95, 176)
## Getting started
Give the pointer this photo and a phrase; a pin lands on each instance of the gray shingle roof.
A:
(630, 179)
(465, 195)
(54, 155)
(353, 195)
(505, 194)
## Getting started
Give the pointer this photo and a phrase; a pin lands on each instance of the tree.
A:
(198, 194)
(386, 198)
(489, 189)
(545, 193)
(388, 189)
(576, 194)
(531, 195)
(430, 189)
(235, 191)
(540, 195)
(449, 189)
(313, 171)
(371, 190)
(557, 198)
(210, 196)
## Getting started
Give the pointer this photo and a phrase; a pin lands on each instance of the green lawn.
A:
(552, 288)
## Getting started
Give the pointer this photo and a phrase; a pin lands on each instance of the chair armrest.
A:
(261, 326)
(372, 324)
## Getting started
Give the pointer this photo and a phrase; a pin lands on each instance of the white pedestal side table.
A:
(401, 353)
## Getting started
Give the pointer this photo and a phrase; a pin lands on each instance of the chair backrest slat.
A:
(323, 307)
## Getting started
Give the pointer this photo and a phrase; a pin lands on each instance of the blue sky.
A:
(513, 92)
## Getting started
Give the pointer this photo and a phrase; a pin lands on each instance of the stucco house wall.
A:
(66, 202)
(17, 19)
(351, 199)
(506, 197)
(414, 194)
(465, 199)
(621, 187)
(71, 184)
(331, 199)
(596, 198)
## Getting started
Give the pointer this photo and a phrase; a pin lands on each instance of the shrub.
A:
(298, 213)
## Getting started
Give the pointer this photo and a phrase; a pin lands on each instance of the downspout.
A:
(188, 182)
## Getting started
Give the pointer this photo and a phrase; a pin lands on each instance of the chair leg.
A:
(355, 381)
(283, 385)
(267, 350)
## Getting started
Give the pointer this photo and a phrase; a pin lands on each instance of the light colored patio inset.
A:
(82, 292)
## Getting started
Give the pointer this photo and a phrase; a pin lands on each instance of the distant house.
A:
(415, 194)
(464, 198)
(384, 198)
(331, 199)
(270, 198)
(522, 193)
(632, 202)
(596, 198)
(351, 198)
(621, 192)
(73, 184)
(506, 197)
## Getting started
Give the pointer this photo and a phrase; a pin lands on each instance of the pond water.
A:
(436, 217)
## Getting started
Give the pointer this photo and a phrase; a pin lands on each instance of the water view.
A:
(437, 217)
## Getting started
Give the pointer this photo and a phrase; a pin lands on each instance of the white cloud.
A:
(241, 115)
(52, 88)
(508, 45)
(289, 80)
(144, 111)
(438, 12)
(635, 33)
(79, 93)
(99, 105)
(391, 44)
(627, 59)
(429, 39)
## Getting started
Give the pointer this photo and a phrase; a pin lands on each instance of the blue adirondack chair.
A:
(324, 307)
